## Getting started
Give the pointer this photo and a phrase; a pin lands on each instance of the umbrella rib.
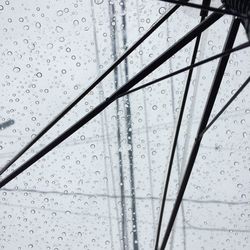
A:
(91, 87)
(226, 105)
(131, 83)
(177, 130)
(204, 120)
(205, 8)
(217, 56)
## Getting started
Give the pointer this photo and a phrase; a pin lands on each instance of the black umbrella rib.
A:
(177, 72)
(204, 7)
(178, 126)
(226, 105)
(131, 83)
(204, 120)
(91, 87)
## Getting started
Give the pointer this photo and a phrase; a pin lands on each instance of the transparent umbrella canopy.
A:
(124, 125)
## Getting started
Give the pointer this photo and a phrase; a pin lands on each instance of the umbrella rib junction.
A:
(205, 8)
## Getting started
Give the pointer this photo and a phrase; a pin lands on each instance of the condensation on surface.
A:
(51, 51)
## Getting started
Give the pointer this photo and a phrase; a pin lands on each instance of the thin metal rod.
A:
(205, 117)
(176, 136)
(226, 105)
(118, 131)
(129, 134)
(203, 14)
(105, 140)
(99, 108)
(178, 149)
(203, 7)
(91, 87)
(217, 56)
(191, 113)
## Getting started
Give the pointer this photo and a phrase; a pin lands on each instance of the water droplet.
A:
(38, 25)
(222, 172)
(26, 27)
(16, 69)
(59, 29)
(50, 46)
(39, 74)
(238, 72)
(98, 1)
(59, 13)
(76, 22)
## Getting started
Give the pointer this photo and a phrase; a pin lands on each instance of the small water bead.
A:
(16, 69)
(50, 46)
(243, 196)
(99, 1)
(33, 211)
(38, 25)
(154, 107)
(162, 10)
(59, 13)
(222, 172)
(61, 39)
(1, 7)
(141, 29)
(59, 29)
(39, 74)
(26, 27)
(238, 72)
(107, 242)
(76, 22)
